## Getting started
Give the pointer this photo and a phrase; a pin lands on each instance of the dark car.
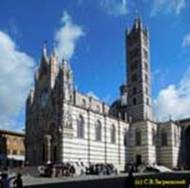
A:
(56, 170)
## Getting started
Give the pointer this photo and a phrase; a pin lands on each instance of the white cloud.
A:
(93, 95)
(168, 6)
(186, 41)
(16, 77)
(115, 7)
(174, 100)
(67, 36)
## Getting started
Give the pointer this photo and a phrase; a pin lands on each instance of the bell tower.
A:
(138, 72)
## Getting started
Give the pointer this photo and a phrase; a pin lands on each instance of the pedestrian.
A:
(18, 181)
(130, 182)
(5, 180)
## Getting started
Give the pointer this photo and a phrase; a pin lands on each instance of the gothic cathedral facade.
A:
(62, 124)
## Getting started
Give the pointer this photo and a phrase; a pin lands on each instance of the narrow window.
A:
(146, 78)
(153, 137)
(146, 90)
(98, 131)
(145, 54)
(113, 135)
(125, 137)
(146, 66)
(134, 91)
(134, 101)
(138, 138)
(134, 77)
(164, 139)
(80, 127)
(147, 101)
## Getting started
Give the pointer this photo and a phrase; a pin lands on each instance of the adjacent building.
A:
(63, 124)
(12, 149)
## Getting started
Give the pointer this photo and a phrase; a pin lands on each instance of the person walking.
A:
(18, 183)
(130, 181)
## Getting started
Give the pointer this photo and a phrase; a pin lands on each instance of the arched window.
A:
(175, 136)
(138, 138)
(164, 139)
(68, 123)
(83, 103)
(147, 101)
(80, 127)
(98, 131)
(113, 134)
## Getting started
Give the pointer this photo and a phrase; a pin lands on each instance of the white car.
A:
(156, 168)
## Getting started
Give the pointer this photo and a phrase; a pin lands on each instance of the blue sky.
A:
(90, 34)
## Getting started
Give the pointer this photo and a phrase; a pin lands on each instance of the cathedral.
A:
(63, 124)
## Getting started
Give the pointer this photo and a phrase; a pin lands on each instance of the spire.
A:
(36, 75)
(138, 23)
(30, 96)
(64, 62)
(53, 54)
(44, 60)
(44, 51)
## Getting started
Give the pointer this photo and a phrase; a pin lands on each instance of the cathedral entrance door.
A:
(138, 159)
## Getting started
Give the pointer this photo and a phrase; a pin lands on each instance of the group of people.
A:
(57, 170)
(5, 181)
(101, 169)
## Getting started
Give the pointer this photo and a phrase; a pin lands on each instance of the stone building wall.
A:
(12, 148)
(88, 149)
(146, 149)
(168, 153)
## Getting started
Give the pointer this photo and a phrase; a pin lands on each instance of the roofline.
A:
(3, 131)
(91, 97)
(183, 120)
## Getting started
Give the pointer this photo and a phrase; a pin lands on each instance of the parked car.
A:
(156, 169)
(76, 168)
(57, 169)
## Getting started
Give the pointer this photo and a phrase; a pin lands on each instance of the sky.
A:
(91, 36)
